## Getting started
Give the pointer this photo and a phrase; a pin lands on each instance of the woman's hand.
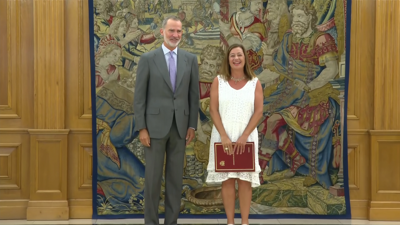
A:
(240, 143)
(227, 144)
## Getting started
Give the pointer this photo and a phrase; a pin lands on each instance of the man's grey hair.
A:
(171, 17)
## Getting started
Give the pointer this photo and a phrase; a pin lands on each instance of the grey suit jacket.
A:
(155, 103)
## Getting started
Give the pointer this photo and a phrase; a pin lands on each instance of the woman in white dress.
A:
(236, 106)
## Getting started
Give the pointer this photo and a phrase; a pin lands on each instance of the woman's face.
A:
(113, 57)
(236, 58)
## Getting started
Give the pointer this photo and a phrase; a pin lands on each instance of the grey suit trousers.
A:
(174, 147)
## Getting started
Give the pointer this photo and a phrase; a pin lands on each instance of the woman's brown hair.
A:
(226, 67)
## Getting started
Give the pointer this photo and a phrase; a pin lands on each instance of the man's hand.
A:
(189, 135)
(144, 137)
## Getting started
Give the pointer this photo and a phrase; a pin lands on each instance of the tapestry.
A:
(302, 136)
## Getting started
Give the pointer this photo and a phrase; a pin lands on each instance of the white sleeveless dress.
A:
(236, 108)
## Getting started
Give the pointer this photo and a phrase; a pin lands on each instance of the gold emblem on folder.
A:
(222, 163)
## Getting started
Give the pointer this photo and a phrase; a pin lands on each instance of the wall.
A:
(45, 110)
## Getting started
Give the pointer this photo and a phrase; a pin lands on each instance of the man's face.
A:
(101, 6)
(301, 22)
(255, 7)
(272, 10)
(122, 28)
(172, 33)
(135, 23)
(208, 70)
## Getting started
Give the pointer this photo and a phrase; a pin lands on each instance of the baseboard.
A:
(384, 211)
(13, 209)
(80, 208)
(359, 209)
(47, 210)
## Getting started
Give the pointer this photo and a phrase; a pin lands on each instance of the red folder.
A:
(244, 162)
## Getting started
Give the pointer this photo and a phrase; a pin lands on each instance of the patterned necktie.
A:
(172, 70)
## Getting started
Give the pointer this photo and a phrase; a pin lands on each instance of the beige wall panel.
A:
(360, 112)
(10, 103)
(3, 55)
(77, 59)
(48, 163)
(80, 164)
(385, 176)
(85, 165)
(359, 172)
(388, 168)
(49, 138)
(10, 166)
(387, 66)
(385, 136)
(16, 89)
(48, 175)
(361, 77)
(14, 164)
(354, 166)
(49, 74)
(14, 175)
(78, 109)
(385, 167)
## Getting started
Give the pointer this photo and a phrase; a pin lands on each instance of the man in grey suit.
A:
(166, 105)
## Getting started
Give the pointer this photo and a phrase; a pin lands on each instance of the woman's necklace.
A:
(237, 79)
